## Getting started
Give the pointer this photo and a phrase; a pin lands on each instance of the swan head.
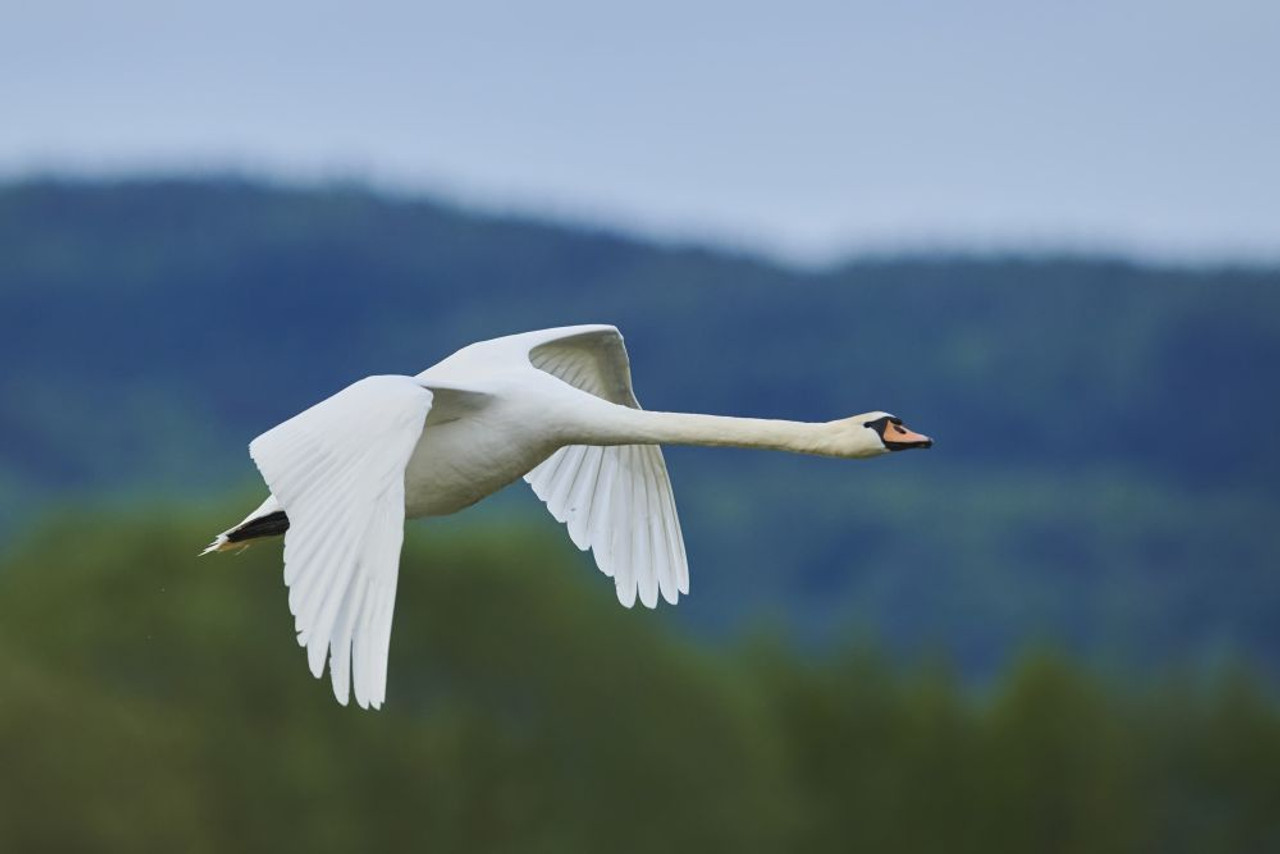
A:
(881, 432)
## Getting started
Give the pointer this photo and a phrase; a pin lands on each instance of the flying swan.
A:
(554, 407)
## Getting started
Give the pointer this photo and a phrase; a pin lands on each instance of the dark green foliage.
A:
(153, 701)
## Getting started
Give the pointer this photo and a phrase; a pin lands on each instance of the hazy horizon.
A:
(811, 134)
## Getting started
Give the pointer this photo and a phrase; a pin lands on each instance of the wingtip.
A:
(626, 596)
(649, 598)
(316, 655)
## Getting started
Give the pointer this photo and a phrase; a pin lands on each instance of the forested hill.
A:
(1105, 471)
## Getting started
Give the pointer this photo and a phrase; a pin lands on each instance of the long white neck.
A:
(643, 427)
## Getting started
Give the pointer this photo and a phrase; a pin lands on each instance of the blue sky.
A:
(805, 129)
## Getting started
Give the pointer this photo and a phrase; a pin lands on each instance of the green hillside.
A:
(154, 701)
(1104, 476)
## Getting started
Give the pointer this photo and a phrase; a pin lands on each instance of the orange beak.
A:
(899, 437)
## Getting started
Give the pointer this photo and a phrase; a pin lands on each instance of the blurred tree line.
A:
(150, 700)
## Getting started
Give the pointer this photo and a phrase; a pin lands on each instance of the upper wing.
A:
(338, 471)
(590, 358)
(616, 500)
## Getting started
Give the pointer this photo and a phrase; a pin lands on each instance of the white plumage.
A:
(338, 470)
(555, 407)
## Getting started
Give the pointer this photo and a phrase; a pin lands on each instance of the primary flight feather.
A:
(554, 407)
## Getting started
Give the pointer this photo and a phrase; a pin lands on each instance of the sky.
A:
(805, 130)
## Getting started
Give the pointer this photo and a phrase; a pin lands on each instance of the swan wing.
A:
(589, 358)
(616, 500)
(338, 471)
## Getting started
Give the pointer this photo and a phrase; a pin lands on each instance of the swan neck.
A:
(678, 428)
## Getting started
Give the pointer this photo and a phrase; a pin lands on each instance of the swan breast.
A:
(457, 462)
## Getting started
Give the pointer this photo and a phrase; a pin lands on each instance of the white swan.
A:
(554, 406)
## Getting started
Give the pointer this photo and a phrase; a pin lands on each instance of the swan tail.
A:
(221, 543)
(239, 538)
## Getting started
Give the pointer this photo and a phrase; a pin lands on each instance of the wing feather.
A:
(615, 500)
(642, 558)
(622, 529)
(337, 469)
(580, 503)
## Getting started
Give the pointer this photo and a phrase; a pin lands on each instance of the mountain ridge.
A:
(152, 327)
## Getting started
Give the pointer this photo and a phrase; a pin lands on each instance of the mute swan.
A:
(553, 406)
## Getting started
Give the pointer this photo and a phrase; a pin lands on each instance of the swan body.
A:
(553, 406)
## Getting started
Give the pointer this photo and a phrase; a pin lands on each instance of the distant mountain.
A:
(1105, 473)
